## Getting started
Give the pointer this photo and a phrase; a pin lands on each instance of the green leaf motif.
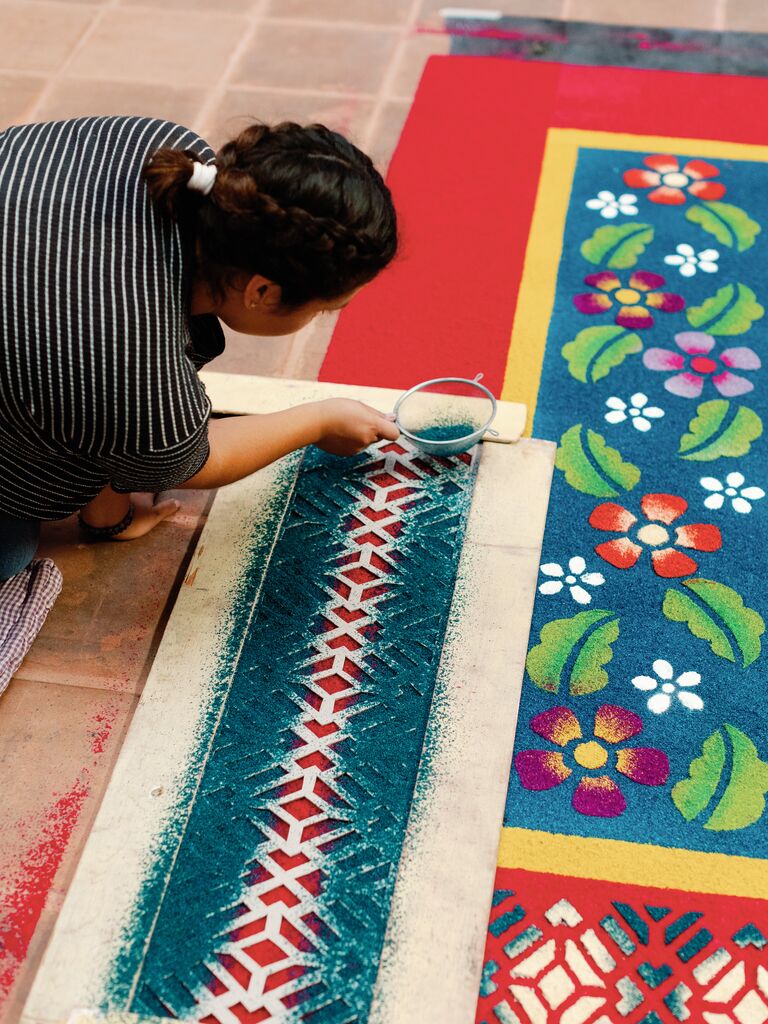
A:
(720, 617)
(731, 310)
(617, 247)
(730, 225)
(591, 467)
(743, 802)
(589, 637)
(595, 351)
(712, 436)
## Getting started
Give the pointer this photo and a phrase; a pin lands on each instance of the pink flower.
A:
(699, 364)
(596, 795)
(660, 511)
(632, 301)
(670, 184)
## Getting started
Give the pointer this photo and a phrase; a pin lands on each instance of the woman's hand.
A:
(146, 515)
(348, 426)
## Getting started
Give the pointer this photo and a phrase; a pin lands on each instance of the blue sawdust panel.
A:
(642, 716)
(201, 935)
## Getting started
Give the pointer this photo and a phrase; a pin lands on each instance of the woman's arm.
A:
(241, 445)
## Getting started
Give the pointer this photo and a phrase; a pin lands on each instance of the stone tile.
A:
(182, 6)
(746, 15)
(411, 60)
(380, 12)
(77, 97)
(308, 349)
(128, 45)
(106, 623)
(661, 13)
(244, 353)
(18, 94)
(58, 745)
(39, 37)
(317, 58)
(386, 132)
(240, 107)
(430, 11)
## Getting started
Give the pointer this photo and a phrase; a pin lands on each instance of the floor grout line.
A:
(363, 26)
(217, 92)
(56, 77)
(385, 88)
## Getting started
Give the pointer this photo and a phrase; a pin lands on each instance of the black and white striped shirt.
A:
(98, 354)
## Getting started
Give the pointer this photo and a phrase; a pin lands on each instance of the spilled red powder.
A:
(28, 890)
(36, 872)
(105, 720)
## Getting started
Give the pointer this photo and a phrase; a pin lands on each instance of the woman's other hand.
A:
(349, 426)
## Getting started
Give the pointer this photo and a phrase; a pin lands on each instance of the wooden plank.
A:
(235, 393)
(435, 937)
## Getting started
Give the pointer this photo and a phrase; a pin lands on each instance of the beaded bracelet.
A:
(105, 532)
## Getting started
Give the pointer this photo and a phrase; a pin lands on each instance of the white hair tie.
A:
(203, 177)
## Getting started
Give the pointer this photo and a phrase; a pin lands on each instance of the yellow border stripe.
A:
(545, 242)
(613, 860)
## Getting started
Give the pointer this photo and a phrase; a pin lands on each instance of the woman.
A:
(123, 242)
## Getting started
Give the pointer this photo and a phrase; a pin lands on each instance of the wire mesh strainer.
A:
(437, 427)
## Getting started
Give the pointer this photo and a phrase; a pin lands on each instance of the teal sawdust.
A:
(279, 895)
(643, 715)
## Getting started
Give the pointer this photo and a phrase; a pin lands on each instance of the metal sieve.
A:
(437, 428)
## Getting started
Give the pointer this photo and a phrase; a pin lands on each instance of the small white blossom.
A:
(638, 412)
(689, 261)
(666, 689)
(741, 497)
(576, 576)
(610, 205)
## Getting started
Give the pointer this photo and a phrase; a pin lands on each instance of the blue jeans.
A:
(18, 543)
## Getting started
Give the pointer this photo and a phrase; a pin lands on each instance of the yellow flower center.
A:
(653, 534)
(590, 755)
(627, 296)
(675, 179)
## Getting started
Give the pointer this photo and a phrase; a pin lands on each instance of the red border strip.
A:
(464, 178)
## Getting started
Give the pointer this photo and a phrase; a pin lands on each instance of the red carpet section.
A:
(464, 179)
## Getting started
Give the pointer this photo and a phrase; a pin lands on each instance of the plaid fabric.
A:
(25, 601)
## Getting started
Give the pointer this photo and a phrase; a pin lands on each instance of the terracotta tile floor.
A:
(353, 64)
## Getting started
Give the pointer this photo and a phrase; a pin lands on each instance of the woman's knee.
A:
(18, 543)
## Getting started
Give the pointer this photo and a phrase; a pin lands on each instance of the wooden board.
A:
(435, 936)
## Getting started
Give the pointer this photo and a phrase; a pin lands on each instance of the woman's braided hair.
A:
(300, 205)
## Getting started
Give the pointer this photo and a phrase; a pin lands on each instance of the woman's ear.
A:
(260, 291)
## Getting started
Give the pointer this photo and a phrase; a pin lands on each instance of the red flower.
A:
(661, 510)
(632, 301)
(670, 184)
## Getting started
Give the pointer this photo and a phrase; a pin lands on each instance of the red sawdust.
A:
(37, 870)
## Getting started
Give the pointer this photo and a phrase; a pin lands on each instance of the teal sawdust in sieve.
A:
(304, 798)
(445, 432)
(642, 716)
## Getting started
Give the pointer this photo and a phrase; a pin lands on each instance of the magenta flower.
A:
(630, 304)
(596, 795)
(698, 363)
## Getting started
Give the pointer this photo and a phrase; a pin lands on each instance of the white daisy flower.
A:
(689, 261)
(733, 488)
(610, 205)
(573, 579)
(638, 411)
(667, 690)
